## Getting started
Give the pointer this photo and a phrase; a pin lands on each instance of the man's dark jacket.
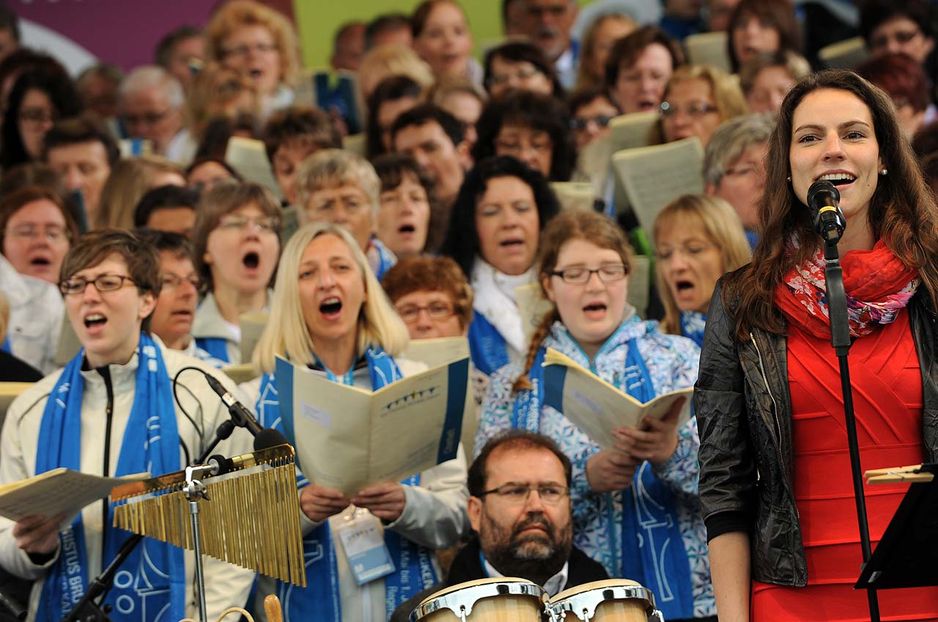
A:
(467, 566)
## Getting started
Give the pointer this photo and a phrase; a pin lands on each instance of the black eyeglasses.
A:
(581, 123)
(694, 109)
(551, 494)
(580, 275)
(102, 283)
(437, 310)
(172, 281)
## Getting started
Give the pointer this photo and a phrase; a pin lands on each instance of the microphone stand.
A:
(840, 340)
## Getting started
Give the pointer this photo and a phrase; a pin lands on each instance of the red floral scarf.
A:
(877, 283)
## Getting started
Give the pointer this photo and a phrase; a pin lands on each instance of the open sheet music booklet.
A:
(248, 156)
(59, 491)
(654, 176)
(597, 407)
(348, 438)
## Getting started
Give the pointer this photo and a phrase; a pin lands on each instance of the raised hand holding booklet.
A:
(597, 407)
(348, 438)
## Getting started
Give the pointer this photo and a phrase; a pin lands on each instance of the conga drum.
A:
(484, 600)
(611, 600)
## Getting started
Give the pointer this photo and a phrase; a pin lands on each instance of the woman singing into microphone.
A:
(775, 480)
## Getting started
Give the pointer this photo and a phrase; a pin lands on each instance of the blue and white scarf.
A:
(215, 347)
(380, 257)
(150, 587)
(652, 547)
(320, 600)
(487, 348)
(693, 324)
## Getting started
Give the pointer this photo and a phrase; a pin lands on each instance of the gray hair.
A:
(334, 167)
(154, 77)
(731, 139)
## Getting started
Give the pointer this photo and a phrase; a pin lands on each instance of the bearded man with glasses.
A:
(520, 512)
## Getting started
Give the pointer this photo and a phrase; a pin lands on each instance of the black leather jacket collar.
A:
(743, 409)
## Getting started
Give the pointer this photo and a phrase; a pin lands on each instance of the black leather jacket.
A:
(743, 411)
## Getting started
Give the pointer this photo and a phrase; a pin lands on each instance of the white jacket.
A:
(36, 311)
(209, 323)
(434, 517)
(226, 585)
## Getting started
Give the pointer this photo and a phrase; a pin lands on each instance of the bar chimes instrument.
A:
(250, 515)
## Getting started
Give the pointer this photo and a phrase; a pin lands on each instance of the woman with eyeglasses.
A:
(259, 43)
(591, 110)
(494, 234)
(179, 294)
(697, 240)
(329, 313)
(37, 100)
(37, 231)
(237, 245)
(431, 295)
(519, 65)
(529, 127)
(634, 504)
(113, 411)
(900, 26)
(697, 99)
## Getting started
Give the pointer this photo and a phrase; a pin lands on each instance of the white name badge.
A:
(362, 537)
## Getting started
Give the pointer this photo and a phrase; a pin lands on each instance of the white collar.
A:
(494, 298)
(552, 586)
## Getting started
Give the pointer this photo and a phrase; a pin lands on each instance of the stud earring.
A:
(788, 178)
(884, 172)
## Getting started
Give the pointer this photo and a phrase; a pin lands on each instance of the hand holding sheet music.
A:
(348, 438)
(58, 492)
(597, 407)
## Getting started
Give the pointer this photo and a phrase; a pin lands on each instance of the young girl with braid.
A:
(635, 504)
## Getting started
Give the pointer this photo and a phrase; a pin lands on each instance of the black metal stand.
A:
(86, 610)
(840, 340)
(907, 554)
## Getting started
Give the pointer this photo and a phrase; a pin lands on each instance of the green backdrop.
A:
(318, 19)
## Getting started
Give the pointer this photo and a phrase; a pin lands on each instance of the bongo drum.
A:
(495, 599)
(611, 600)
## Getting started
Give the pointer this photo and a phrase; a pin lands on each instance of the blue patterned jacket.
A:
(672, 364)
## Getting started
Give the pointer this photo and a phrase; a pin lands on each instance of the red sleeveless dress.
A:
(887, 392)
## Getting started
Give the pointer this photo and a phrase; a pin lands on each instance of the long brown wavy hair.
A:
(902, 209)
(571, 225)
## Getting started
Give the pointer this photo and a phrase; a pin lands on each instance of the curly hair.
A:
(238, 13)
(431, 274)
(462, 239)
(531, 110)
